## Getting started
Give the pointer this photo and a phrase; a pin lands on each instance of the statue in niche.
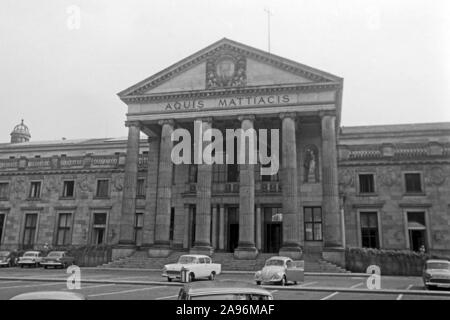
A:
(311, 169)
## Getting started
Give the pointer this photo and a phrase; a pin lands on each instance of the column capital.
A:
(250, 117)
(166, 121)
(133, 124)
(292, 115)
(205, 119)
(323, 114)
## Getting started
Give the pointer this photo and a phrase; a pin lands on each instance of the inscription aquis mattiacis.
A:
(243, 101)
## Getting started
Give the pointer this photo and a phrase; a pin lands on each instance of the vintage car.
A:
(223, 290)
(30, 258)
(198, 266)
(57, 259)
(436, 273)
(8, 258)
(49, 295)
(281, 270)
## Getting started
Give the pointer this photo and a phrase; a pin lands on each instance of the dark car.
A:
(57, 259)
(223, 290)
(8, 258)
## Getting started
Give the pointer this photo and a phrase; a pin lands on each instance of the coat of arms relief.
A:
(226, 69)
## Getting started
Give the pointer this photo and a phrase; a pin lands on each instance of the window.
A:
(232, 172)
(219, 172)
(63, 232)
(103, 188)
(35, 189)
(413, 182)
(4, 190)
(313, 223)
(366, 183)
(193, 169)
(99, 228)
(29, 233)
(140, 189)
(138, 225)
(2, 222)
(369, 229)
(417, 230)
(172, 223)
(68, 189)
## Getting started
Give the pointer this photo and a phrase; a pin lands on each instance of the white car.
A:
(281, 270)
(30, 258)
(198, 266)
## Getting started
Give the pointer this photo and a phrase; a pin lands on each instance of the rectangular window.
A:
(172, 223)
(138, 225)
(219, 172)
(369, 229)
(193, 169)
(313, 223)
(29, 233)
(35, 189)
(2, 222)
(366, 183)
(63, 232)
(413, 182)
(4, 190)
(99, 228)
(140, 189)
(102, 188)
(68, 189)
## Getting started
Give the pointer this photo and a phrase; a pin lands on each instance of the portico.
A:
(232, 207)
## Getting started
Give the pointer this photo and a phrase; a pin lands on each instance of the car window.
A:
(186, 260)
(275, 262)
(201, 260)
(438, 265)
(207, 260)
(289, 264)
(259, 297)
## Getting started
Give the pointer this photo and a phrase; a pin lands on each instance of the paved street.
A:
(108, 286)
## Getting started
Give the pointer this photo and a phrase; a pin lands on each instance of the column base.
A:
(292, 251)
(159, 251)
(205, 250)
(245, 253)
(334, 255)
(122, 251)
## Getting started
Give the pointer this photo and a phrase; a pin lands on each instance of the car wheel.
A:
(169, 279)
(283, 281)
(21, 265)
(295, 282)
(191, 277)
(212, 276)
(258, 283)
(45, 267)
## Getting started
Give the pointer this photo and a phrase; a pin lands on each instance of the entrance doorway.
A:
(273, 229)
(233, 228)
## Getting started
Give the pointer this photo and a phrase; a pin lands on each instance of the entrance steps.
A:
(141, 260)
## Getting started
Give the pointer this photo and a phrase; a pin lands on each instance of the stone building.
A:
(373, 186)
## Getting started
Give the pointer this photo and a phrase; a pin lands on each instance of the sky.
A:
(63, 81)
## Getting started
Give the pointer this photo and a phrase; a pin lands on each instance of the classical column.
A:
(202, 242)
(291, 241)
(164, 192)
(129, 186)
(333, 250)
(214, 227)
(187, 221)
(246, 246)
(151, 192)
(258, 227)
(222, 227)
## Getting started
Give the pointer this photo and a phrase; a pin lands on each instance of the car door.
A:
(295, 270)
(202, 268)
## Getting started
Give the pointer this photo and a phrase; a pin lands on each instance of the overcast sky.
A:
(393, 55)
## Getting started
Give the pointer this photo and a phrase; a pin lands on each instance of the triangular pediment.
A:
(228, 64)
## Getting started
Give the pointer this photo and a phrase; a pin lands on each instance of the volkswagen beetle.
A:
(281, 270)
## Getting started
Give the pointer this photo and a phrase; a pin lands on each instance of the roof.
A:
(50, 295)
(225, 286)
(196, 255)
(279, 258)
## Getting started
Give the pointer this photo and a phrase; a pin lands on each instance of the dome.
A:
(20, 133)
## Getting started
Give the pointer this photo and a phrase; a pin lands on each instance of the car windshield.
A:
(275, 262)
(438, 265)
(29, 254)
(54, 254)
(4, 253)
(186, 260)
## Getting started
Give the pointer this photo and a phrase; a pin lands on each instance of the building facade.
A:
(377, 186)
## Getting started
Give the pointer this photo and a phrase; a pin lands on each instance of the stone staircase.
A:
(140, 260)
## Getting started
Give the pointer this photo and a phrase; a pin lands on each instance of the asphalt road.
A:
(20, 282)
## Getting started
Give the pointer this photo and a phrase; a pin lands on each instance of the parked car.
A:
(8, 258)
(436, 273)
(281, 270)
(57, 259)
(198, 266)
(223, 290)
(30, 258)
(49, 295)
